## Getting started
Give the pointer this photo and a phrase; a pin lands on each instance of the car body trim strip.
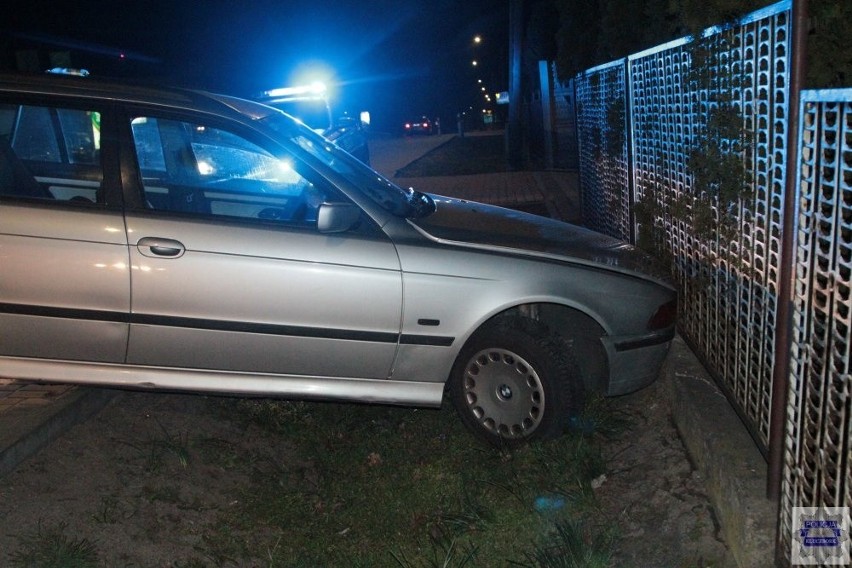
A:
(436, 340)
(222, 325)
(645, 341)
(65, 313)
(264, 328)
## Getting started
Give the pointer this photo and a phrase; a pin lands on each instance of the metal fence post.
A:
(781, 367)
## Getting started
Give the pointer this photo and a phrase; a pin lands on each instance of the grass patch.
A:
(461, 156)
(50, 547)
(380, 486)
(571, 546)
(156, 451)
(349, 485)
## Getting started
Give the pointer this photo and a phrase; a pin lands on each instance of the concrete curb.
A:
(725, 455)
(26, 430)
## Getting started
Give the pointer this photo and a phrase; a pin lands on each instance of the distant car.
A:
(173, 239)
(420, 126)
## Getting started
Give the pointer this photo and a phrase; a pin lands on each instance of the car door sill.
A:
(384, 391)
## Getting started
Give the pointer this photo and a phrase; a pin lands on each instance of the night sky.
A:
(395, 58)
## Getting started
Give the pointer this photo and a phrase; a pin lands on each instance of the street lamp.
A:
(477, 39)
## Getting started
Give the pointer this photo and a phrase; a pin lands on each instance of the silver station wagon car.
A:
(172, 239)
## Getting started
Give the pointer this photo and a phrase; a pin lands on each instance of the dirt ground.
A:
(655, 495)
(88, 482)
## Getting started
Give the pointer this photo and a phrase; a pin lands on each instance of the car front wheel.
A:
(515, 381)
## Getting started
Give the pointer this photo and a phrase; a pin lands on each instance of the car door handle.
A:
(157, 247)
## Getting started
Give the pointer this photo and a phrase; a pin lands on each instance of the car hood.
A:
(487, 226)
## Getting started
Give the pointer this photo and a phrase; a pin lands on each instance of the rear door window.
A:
(50, 153)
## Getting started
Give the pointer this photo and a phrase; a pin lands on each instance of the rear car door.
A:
(64, 271)
(231, 272)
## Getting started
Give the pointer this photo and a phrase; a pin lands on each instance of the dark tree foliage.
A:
(540, 37)
(578, 37)
(597, 31)
(592, 32)
(830, 44)
(542, 30)
(696, 15)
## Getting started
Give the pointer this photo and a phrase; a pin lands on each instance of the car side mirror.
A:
(337, 217)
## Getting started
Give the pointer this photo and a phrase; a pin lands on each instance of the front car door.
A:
(229, 270)
(64, 272)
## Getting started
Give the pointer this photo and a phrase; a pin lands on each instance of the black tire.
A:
(515, 381)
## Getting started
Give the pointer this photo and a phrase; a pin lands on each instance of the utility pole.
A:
(514, 131)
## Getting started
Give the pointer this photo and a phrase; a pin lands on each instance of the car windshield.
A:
(398, 201)
(312, 112)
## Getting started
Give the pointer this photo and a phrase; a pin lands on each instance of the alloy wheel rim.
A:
(504, 393)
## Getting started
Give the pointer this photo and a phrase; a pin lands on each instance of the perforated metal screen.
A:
(602, 138)
(817, 460)
(728, 276)
(689, 103)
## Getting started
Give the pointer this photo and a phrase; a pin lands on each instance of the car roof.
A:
(114, 90)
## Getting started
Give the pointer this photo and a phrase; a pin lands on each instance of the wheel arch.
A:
(580, 331)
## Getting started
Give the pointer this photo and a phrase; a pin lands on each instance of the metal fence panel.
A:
(720, 98)
(817, 464)
(602, 138)
(697, 110)
(728, 276)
